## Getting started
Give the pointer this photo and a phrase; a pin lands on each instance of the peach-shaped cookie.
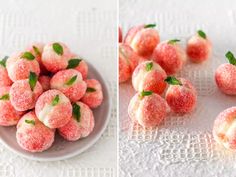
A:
(78, 64)
(24, 93)
(80, 125)
(147, 108)
(45, 82)
(37, 49)
(225, 75)
(8, 115)
(94, 95)
(4, 78)
(128, 60)
(32, 135)
(55, 56)
(53, 108)
(224, 129)
(199, 47)
(20, 65)
(170, 56)
(181, 95)
(70, 83)
(149, 76)
(143, 39)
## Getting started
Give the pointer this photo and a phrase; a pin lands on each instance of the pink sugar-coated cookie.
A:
(80, 125)
(32, 135)
(55, 56)
(181, 95)
(22, 96)
(199, 47)
(170, 56)
(94, 95)
(45, 82)
(79, 64)
(120, 35)
(149, 76)
(4, 78)
(225, 75)
(128, 60)
(53, 108)
(37, 49)
(8, 115)
(21, 64)
(147, 108)
(143, 39)
(70, 83)
(224, 129)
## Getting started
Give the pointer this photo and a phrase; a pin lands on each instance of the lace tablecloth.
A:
(181, 146)
(89, 29)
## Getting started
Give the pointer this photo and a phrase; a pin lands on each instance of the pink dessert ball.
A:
(120, 35)
(22, 96)
(80, 125)
(181, 95)
(143, 39)
(55, 56)
(45, 82)
(69, 82)
(78, 64)
(170, 56)
(199, 47)
(8, 115)
(128, 60)
(149, 76)
(93, 96)
(53, 108)
(32, 135)
(20, 65)
(4, 78)
(147, 108)
(224, 129)
(225, 75)
(37, 49)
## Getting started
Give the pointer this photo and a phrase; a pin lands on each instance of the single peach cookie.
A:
(181, 95)
(170, 56)
(147, 108)
(78, 64)
(149, 76)
(80, 125)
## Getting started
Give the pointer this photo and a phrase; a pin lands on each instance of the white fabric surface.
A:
(89, 29)
(182, 146)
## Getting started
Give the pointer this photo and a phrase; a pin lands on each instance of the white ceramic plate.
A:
(62, 149)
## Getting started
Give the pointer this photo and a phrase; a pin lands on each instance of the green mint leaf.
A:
(3, 61)
(5, 97)
(72, 80)
(90, 89)
(28, 56)
(202, 34)
(230, 56)
(145, 93)
(149, 66)
(76, 112)
(73, 63)
(172, 80)
(57, 48)
(30, 121)
(55, 100)
(150, 26)
(36, 50)
(173, 41)
(33, 78)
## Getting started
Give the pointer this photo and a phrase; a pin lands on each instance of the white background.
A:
(182, 146)
(89, 29)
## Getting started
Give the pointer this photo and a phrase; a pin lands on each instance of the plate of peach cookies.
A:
(54, 104)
